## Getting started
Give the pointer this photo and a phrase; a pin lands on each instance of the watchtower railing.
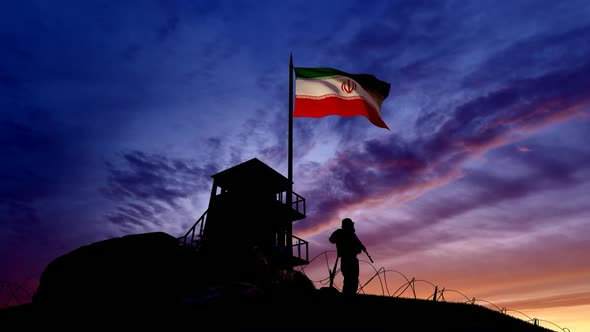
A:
(192, 232)
(297, 201)
(300, 246)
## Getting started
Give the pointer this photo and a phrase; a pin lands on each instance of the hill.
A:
(313, 312)
(146, 282)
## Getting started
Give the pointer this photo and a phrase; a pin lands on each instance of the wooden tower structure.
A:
(248, 214)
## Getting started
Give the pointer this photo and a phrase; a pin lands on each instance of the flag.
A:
(321, 92)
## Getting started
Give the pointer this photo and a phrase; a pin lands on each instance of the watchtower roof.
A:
(251, 174)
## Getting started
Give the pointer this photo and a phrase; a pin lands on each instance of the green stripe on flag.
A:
(367, 81)
(301, 72)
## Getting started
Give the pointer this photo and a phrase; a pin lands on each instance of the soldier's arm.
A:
(334, 237)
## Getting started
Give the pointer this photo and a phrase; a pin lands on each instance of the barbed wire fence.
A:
(18, 292)
(437, 293)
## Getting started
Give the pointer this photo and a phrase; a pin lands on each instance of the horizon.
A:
(114, 116)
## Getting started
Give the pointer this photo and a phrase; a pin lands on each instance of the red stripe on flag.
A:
(318, 108)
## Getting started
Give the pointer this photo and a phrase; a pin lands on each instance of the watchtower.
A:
(248, 212)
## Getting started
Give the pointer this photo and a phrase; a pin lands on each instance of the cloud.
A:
(561, 300)
(18, 216)
(386, 168)
(523, 149)
(530, 57)
(147, 186)
(35, 166)
(484, 191)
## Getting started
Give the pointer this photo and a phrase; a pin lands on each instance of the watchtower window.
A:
(219, 190)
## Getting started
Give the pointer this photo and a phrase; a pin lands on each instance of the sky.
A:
(115, 114)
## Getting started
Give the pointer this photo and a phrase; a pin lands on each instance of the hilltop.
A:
(147, 282)
(313, 312)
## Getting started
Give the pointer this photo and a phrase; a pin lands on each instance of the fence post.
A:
(435, 291)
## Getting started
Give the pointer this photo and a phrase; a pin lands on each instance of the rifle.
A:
(333, 272)
(365, 250)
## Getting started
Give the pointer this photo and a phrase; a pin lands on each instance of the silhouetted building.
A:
(247, 213)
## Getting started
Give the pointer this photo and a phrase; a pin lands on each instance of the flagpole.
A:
(291, 121)
(289, 239)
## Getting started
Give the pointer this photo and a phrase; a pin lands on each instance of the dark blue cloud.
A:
(532, 57)
(35, 164)
(521, 104)
(145, 186)
(548, 169)
(72, 77)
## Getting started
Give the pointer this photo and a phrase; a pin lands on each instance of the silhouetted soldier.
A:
(348, 246)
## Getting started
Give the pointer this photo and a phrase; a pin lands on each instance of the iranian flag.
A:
(321, 92)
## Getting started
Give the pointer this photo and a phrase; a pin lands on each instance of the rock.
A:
(141, 269)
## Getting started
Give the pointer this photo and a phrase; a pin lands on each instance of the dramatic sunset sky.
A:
(114, 114)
